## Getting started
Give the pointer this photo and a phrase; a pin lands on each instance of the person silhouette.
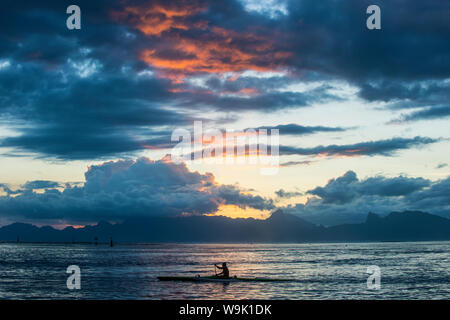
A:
(225, 272)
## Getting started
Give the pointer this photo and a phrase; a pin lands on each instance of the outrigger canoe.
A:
(219, 279)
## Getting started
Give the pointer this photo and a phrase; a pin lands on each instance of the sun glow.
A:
(233, 211)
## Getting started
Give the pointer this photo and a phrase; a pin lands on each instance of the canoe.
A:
(219, 279)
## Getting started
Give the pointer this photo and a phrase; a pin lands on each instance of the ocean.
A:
(408, 270)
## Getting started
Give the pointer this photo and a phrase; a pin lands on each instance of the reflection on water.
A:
(414, 270)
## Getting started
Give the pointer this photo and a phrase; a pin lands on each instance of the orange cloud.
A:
(158, 18)
(177, 53)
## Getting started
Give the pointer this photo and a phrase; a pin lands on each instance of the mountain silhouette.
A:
(397, 226)
(279, 227)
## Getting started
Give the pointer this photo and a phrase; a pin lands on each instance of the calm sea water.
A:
(409, 270)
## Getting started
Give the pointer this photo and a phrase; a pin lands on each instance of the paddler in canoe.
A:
(225, 273)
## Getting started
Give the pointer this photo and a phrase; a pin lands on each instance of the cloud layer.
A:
(348, 199)
(138, 68)
(371, 148)
(122, 189)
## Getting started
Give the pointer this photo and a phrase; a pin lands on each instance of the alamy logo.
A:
(374, 280)
(213, 146)
(74, 280)
(374, 20)
(74, 20)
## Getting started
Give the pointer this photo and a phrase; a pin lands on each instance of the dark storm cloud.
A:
(233, 195)
(82, 118)
(82, 95)
(348, 199)
(386, 148)
(118, 190)
(346, 188)
(371, 148)
(436, 197)
(269, 101)
(41, 184)
(393, 64)
(418, 93)
(77, 94)
(327, 38)
(336, 189)
(37, 32)
(295, 129)
(430, 99)
(287, 194)
(92, 92)
(63, 144)
(430, 113)
(332, 37)
(324, 36)
(295, 163)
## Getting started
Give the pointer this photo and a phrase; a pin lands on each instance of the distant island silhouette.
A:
(279, 227)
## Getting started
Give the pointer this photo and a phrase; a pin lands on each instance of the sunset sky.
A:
(86, 116)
